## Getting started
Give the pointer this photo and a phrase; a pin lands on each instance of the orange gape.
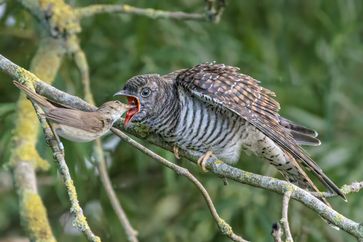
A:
(134, 102)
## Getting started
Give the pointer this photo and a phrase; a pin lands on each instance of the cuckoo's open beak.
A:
(133, 101)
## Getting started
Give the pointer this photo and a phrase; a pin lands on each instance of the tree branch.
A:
(24, 156)
(80, 221)
(220, 168)
(92, 10)
(285, 219)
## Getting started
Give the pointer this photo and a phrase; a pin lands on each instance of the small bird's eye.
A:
(145, 92)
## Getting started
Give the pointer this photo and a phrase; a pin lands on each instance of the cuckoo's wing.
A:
(301, 134)
(225, 86)
(87, 121)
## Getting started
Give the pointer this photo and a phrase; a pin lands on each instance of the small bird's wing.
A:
(88, 121)
(225, 86)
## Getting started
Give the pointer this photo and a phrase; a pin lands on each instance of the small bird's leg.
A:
(176, 152)
(60, 144)
(203, 159)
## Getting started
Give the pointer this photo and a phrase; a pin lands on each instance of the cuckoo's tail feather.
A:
(301, 134)
(303, 139)
(297, 176)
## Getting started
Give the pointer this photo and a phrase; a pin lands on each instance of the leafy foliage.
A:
(309, 52)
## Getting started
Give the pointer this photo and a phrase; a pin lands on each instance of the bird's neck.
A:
(165, 120)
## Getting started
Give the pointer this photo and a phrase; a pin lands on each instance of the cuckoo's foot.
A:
(203, 159)
(176, 152)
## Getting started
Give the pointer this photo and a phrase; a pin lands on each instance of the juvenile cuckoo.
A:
(214, 109)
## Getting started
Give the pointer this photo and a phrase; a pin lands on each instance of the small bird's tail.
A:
(42, 101)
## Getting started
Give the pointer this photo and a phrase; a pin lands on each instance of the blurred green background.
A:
(309, 52)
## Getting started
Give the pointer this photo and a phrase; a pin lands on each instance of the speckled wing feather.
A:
(225, 86)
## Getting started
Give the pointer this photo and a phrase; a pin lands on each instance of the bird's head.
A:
(115, 109)
(144, 92)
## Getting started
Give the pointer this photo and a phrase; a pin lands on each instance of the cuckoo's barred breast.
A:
(213, 107)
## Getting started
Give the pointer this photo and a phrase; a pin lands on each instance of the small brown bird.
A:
(77, 125)
(214, 109)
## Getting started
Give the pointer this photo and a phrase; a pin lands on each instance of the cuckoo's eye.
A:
(145, 92)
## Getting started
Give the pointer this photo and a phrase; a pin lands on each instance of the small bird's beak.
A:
(127, 106)
(133, 102)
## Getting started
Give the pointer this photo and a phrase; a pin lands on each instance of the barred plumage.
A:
(213, 107)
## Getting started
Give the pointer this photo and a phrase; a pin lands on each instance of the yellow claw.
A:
(176, 152)
(203, 159)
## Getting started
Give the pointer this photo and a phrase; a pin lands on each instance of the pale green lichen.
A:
(71, 190)
(34, 214)
(218, 162)
(25, 76)
(63, 20)
(225, 227)
(25, 137)
(80, 220)
(338, 218)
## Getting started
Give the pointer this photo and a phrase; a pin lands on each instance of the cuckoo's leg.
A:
(176, 152)
(203, 159)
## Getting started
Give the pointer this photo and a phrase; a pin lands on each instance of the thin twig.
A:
(276, 232)
(224, 227)
(285, 220)
(346, 189)
(106, 182)
(82, 64)
(127, 9)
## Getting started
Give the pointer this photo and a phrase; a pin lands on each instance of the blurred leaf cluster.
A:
(309, 52)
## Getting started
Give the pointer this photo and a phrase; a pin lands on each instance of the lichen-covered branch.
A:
(32, 211)
(24, 156)
(285, 220)
(80, 220)
(82, 64)
(92, 10)
(222, 169)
